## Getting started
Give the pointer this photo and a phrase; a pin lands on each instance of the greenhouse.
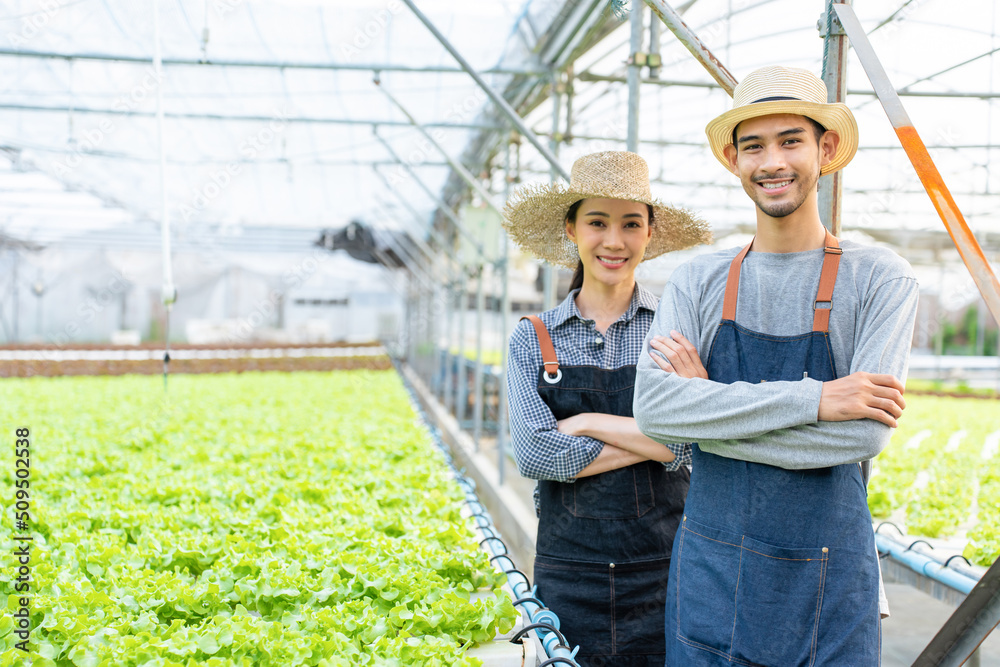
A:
(276, 391)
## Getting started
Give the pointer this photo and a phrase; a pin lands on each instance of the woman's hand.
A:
(681, 356)
(621, 433)
(575, 425)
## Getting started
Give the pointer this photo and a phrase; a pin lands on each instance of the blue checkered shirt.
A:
(541, 451)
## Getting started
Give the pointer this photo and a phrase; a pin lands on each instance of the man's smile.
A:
(775, 185)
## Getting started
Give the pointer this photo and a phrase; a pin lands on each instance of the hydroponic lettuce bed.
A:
(254, 519)
(50, 368)
(940, 474)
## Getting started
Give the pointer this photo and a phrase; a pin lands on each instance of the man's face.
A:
(778, 160)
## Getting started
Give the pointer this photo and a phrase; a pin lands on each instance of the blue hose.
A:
(494, 544)
(925, 565)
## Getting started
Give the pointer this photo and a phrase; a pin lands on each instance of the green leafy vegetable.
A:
(252, 519)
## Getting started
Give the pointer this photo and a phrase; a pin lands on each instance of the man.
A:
(805, 342)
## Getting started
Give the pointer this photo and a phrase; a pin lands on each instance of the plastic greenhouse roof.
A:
(268, 136)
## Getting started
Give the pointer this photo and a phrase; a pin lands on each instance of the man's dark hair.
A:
(818, 130)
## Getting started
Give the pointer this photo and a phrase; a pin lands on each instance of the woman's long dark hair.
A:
(577, 281)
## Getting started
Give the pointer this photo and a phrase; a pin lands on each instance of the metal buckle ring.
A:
(555, 379)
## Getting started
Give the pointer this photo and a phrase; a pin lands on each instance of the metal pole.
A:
(429, 350)
(451, 357)
(230, 64)
(461, 387)
(17, 296)
(941, 320)
(968, 626)
(498, 99)
(697, 48)
(502, 426)
(445, 354)
(412, 312)
(980, 330)
(39, 291)
(930, 177)
(548, 271)
(423, 326)
(568, 134)
(590, 76)
(636, 60)
(835, 45)
(655, 29)
(133, 113)
(432, 359)
(169, 291)
(477, 418)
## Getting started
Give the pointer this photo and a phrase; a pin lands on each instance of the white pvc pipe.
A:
(169, 292)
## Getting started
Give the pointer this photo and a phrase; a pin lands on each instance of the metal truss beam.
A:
(697, 48)
(498, 99)
(240, 117)
(592, 77)
(260, 64)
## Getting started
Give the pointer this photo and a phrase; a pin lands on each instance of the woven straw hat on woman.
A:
(535, 215)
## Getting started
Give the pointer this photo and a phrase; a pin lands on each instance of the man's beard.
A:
(780, 209)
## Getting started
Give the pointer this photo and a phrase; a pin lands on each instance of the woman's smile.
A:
(612, 262)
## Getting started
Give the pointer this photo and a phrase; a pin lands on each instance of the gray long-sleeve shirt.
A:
(871, 326)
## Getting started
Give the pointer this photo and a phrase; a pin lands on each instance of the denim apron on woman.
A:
(772, 566)
(604, 541)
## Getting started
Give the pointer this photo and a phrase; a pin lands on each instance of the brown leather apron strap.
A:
(733, 284)
(824, 295)
(827, 279)
(549, 359)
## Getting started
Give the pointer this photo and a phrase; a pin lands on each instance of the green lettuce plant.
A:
(253, 519)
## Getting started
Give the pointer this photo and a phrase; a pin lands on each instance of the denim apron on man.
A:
(604, 541)
(771, 566)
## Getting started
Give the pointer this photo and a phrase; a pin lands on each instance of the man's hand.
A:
(862, 396)
(681, 356)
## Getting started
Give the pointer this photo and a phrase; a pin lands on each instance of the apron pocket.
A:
(640, 593)
(708, 569)
(580, 594)
(778, 604)
(626, 493)
(752, 602)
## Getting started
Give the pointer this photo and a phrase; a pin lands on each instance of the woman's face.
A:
(611, 235)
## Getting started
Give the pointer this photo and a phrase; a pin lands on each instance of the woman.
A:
(609, 499)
